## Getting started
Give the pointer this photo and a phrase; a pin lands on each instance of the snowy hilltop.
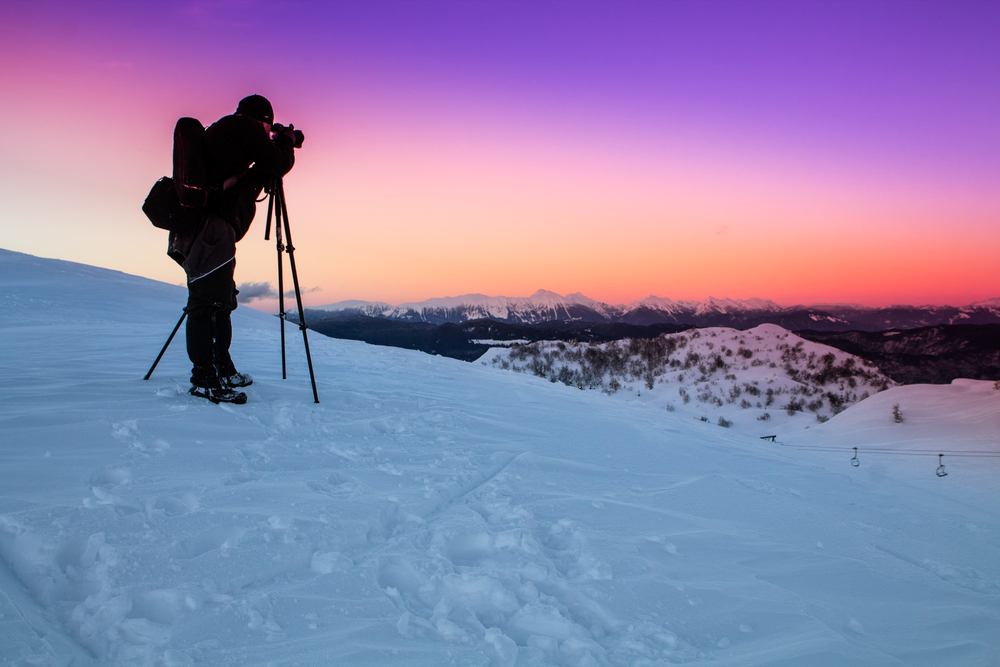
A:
(765, 374)
(435, 512)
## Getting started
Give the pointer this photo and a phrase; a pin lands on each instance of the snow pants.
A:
(211, 299)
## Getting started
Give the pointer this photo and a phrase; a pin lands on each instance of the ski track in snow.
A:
(433, 512)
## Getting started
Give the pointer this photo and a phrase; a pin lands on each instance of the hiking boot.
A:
(205, 377)
(237, 379)
(220, 395)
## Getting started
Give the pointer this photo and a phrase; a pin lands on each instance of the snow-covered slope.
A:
(758, 379)
(959, 418)
(434, 512)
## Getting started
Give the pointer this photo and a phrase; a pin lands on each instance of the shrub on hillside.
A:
(793, 406)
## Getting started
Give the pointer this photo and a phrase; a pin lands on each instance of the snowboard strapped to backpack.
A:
(178, 204)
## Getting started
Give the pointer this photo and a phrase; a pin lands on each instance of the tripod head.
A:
(274, 187)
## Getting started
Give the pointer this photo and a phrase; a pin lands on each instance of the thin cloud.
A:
(291, 292)
(253, 291)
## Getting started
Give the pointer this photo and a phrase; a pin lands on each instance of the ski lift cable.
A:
(959, 453)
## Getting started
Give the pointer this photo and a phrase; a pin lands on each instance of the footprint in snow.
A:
(194, 546)
(173, 505)
(238, 478)
(111, 477)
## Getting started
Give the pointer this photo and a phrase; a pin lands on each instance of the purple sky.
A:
(800, 151)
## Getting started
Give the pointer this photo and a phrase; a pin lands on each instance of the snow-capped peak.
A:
(729, 306)
(354, 304)
(988, 304)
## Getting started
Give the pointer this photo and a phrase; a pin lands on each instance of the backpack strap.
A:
(233, 180)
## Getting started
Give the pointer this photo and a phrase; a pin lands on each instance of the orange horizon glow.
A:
(420, 179)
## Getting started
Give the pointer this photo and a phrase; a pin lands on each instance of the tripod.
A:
(275, 208)
(276, 204)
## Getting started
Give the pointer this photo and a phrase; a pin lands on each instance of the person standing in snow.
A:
(241, 158)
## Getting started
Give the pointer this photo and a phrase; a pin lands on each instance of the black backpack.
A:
(178, 204)
(190, 175)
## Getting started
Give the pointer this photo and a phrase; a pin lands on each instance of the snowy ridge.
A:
(992, 305)
(545, 306)
(728, 306)
(354, 307)
(539, 307)
(435, 512)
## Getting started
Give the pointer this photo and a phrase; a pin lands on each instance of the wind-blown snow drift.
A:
(432, 512)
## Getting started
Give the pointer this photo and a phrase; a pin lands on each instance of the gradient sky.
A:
(804, 152)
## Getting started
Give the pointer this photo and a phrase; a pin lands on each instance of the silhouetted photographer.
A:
(208, 206)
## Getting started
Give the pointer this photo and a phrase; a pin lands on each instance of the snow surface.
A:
(961, 417)
(435, 512)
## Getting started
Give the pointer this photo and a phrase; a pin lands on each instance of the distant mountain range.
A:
(545, 306)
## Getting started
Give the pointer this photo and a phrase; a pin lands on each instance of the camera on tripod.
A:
(297, 136)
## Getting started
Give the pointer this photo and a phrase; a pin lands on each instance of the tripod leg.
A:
(270, 208)
(166, 345)
(298, 293)
(276, 200)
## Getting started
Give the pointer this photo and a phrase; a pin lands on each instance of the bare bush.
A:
(793, 406)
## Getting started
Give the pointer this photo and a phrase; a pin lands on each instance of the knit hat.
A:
(257, 107)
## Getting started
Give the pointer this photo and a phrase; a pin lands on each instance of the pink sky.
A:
(801, 152)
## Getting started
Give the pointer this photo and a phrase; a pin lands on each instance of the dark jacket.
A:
(231, 145)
